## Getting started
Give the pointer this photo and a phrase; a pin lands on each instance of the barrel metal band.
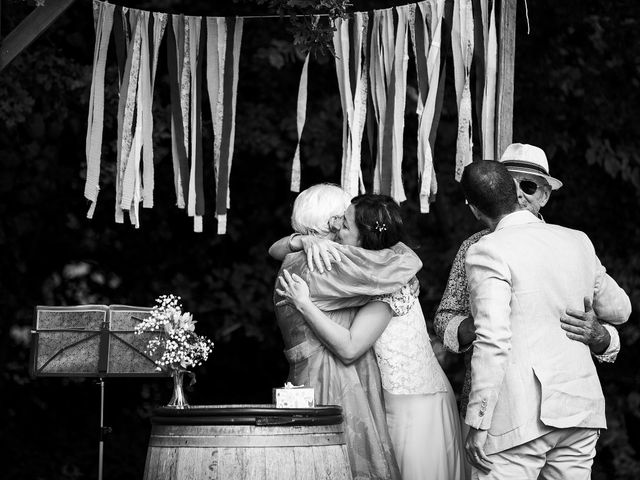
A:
(247, 441)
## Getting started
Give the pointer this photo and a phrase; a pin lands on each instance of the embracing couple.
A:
(348, 310)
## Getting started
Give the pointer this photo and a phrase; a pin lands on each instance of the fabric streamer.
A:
(159, 21)
(126, 109)
(195, 203)
(426, 34)
(175, 40)
(216, 52)
(462, 47)
(489, 93)
(103, 23)
(131, 182)
(229, 37)
(301, 116)
(371, 68)
(378, 95)
(352, 73)
(388, 72)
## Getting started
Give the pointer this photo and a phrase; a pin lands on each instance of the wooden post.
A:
(30, 28)
(506, 63)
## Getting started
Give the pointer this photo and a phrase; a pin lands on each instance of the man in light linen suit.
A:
(536, 406)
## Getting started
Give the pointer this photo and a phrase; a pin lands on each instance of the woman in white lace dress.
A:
(420, 406)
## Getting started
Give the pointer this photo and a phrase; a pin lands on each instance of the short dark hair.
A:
(488, 186)
(378, 220)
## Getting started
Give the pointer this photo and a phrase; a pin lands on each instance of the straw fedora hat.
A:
(524, 158)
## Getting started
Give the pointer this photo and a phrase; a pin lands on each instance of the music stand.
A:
(91, 341)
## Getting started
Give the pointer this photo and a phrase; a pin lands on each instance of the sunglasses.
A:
(528, 186)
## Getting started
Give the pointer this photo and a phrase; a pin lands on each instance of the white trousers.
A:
(565, 453)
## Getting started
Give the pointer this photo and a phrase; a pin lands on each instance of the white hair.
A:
(315, 207)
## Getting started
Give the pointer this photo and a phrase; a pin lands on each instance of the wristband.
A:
(291, 237)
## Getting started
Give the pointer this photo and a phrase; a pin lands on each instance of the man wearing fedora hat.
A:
(453, 323)
(536, 405)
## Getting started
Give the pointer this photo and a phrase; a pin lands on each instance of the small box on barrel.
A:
(292, 396)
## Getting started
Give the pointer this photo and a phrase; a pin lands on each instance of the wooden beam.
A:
(506, 68)
(30, 28)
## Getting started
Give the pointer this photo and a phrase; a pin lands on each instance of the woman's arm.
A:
(321, 252)
(347, 344)
(285, 245)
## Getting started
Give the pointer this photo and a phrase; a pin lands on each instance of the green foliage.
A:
(311, 33)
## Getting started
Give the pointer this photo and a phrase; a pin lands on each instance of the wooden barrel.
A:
(229, 442)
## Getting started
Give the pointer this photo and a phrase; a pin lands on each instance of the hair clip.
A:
(380, 227)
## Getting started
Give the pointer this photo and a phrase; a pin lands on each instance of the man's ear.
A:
(476, 213)
(544, 198)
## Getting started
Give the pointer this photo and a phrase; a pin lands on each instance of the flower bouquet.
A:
(177, 347)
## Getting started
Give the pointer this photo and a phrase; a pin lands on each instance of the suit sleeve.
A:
(610, 302)
(490, 297)
(362, 274)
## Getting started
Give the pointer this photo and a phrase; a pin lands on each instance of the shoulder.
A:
(403, 299)
(473, 239)
(295, 262)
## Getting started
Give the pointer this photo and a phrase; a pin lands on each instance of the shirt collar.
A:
(520, 217)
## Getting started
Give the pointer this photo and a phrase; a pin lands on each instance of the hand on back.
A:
(321, 252)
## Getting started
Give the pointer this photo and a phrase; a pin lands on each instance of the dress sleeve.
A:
(401, 300)
(454, 306)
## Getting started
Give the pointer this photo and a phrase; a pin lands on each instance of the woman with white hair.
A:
(317, 213)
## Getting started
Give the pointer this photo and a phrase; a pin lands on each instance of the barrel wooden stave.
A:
(245, 452)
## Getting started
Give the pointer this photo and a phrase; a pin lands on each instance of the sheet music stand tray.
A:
(91, 341)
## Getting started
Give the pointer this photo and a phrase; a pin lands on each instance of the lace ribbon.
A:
(462, 43)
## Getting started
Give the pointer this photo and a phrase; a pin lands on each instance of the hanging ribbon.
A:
(351, 69)
(462, 48)
(426, 34)
(131, 181)
(175, 52)
(229, 36)
(103, 22)
(159, 22)
(489, 93)
(388, 71)
(378, 95)
(216, 52)
(126, 110)
(301, 116)
(195, 203)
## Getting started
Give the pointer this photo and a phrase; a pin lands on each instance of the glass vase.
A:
(178, 399)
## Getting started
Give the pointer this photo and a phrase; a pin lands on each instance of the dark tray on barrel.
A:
(259, 415)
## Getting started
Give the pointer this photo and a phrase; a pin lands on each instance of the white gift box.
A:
(292, 396)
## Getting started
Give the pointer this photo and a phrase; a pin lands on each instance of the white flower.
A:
(176, 343)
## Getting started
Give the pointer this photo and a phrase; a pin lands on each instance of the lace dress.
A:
(420, 405)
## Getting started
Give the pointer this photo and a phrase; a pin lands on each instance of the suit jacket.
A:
(527, 376)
